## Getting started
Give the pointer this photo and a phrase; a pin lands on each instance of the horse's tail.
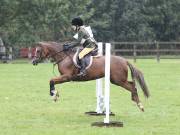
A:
(138, 75)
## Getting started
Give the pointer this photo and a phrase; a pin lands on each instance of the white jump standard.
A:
(100, 109)
(107, 121)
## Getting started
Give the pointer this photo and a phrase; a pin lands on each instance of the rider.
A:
(85, 38)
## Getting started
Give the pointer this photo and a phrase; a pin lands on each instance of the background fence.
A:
(147, 49)
(135, 50)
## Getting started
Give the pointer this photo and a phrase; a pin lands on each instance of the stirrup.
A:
(82, 73)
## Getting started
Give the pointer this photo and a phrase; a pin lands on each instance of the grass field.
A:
(27, 109)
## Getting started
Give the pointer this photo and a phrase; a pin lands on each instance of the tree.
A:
(29, 21)
(23, 22)
(164, 18)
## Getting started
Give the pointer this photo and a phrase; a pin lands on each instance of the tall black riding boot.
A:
(83, 68)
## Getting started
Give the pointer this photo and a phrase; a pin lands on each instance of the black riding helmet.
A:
(77, 21)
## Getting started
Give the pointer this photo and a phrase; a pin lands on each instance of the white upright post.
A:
(29, 53)
(106, 121)
(10, 53)
(99, 87)
(107, 81)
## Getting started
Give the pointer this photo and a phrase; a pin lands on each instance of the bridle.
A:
(38, 58)
(66, 48)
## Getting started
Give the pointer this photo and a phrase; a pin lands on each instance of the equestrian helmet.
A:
(77, 21)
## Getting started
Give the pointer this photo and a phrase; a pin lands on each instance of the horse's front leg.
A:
(57, 80)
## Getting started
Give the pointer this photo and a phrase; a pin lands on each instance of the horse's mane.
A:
(57, 45)
(47, 43)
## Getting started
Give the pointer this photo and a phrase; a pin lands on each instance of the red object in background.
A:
(26, 52)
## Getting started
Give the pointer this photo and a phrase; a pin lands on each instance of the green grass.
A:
(27, 109)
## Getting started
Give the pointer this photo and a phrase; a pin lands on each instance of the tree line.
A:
(24, 22)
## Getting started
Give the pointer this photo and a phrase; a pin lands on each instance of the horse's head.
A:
(41, 53)
(50, 50)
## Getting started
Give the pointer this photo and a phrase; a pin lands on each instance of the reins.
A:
(54, 64)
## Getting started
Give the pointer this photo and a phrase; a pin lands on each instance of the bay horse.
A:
(68, 71)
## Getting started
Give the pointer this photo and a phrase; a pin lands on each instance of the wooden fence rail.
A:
(158, 49)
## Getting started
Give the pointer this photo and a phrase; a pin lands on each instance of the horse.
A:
(68, 71)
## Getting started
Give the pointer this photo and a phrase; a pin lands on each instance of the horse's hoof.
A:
(55, 98)
(56, 95)
(141, 107)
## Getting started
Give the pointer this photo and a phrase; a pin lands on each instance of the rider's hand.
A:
(66, 47)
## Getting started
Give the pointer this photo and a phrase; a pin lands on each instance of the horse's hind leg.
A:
(134, 95)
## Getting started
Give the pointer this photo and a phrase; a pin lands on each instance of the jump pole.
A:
(99, 87)
(107, 81)
(99, 91)
(107, 122)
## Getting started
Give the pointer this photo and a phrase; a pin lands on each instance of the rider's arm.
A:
(80, 37)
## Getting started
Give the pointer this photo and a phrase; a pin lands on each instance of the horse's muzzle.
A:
(35, 62)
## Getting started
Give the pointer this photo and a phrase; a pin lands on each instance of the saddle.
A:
(87, 58)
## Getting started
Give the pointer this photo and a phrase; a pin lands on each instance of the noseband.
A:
(40, 56)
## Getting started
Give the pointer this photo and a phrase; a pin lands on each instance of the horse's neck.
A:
(55, 53)
(66, 65)
(60, 56)
(69, 54)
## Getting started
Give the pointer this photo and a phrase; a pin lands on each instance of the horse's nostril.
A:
(34, 62)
